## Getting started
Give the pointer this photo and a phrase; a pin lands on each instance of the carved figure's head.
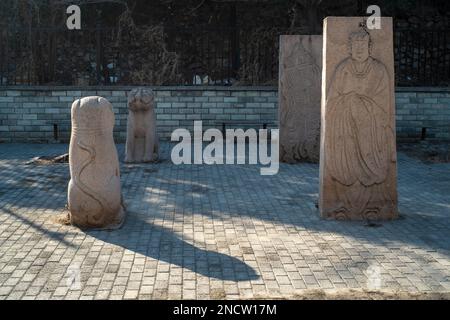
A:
(141, 99)
(360, 44)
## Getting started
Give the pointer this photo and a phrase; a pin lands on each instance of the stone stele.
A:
(358, 171)
(94, 195)
(299, 87)
(142, 140)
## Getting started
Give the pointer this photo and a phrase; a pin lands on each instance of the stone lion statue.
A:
(142, 141)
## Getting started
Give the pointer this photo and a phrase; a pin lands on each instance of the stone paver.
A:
(200, 232)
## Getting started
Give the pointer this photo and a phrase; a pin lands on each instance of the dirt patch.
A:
(46, 160)
(62, 218)
(217, 294)
(358, 294)
(247, 250)
(427, 152)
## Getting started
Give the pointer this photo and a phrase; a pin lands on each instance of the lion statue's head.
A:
(141, 99)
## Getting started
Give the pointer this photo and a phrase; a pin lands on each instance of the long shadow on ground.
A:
(143, 237)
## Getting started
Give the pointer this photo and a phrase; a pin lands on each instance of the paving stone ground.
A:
(215, 231)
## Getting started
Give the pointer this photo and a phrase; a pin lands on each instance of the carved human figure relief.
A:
(299, 97)
(142, 140)
(358, 153)
(94, 194)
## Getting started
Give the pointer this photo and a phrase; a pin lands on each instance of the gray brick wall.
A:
(418, 108)
(28, 114)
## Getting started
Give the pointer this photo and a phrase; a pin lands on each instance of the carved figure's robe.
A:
(359, 134)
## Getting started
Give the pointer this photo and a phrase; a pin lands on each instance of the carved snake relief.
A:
(83, 187)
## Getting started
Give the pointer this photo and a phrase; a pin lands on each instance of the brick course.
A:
(28, 114)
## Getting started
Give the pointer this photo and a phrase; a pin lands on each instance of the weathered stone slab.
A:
(358, 172)
(299, 97)
(94, 195)
(142, 140)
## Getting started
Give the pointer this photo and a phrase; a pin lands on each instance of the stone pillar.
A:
(94, 195)
(142, 140)
(358, 171)
(300, 70)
